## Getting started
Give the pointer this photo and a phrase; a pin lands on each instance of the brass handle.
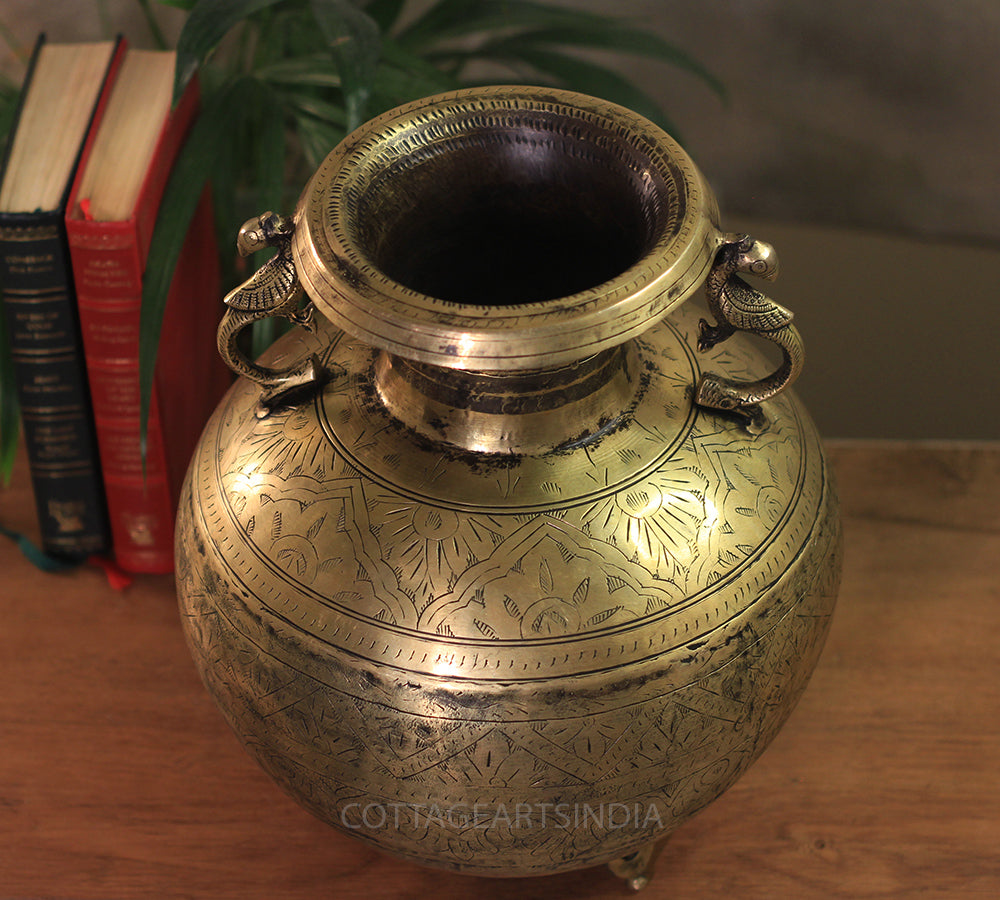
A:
(273, 290)
(736, 306)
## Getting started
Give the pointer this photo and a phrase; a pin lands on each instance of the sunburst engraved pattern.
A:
(635, 641)
(405, 556)
(546, 579)
(335, 742)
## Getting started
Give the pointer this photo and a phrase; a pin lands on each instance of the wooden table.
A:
(119, 779)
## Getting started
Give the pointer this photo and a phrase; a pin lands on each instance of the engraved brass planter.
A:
(505, 561)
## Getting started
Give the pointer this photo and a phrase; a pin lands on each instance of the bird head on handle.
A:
(754, 257)
(266, 230)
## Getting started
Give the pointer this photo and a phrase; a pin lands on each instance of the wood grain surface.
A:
(118, 778)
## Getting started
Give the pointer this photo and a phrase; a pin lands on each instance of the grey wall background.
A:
(862, 140)
(844, 112)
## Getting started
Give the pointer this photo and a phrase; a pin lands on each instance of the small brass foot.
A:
(637, 868)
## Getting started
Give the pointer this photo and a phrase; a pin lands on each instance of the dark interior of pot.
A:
(531, 211)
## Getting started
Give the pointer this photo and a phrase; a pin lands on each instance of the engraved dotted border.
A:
(360, 299)
(519, 660)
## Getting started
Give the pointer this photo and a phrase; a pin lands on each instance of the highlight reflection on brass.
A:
(496, 591)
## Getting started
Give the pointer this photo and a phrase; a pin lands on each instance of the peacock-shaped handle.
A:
(736, 306)
(273, 290)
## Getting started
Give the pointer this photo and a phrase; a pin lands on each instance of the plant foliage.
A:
(286, 80)
(283, 81)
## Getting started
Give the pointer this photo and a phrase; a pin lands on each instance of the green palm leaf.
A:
(403, 76)
(385, 13)
(589, 78)
(451, 19)
(313, 70)
(318, 137)
(268, 125)
(354, 41)
(219, 124)
(616, 37)
(206, 25)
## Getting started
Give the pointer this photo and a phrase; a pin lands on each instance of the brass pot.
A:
(487, 564)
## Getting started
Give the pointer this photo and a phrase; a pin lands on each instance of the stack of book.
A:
(84, 173)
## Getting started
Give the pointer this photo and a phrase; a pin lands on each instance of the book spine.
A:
(52, 390)
(108, 272)
(109, 259)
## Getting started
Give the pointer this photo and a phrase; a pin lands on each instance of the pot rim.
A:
(357, 296)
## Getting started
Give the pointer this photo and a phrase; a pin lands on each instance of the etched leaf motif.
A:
(615, 583)
(333, 564)
(276, 523)
(485, 628)
(749, 476)
(545, 577)
(550, 621)
(602, 616)
(512, 608)
(294, 561)
(529, 589)
(655, 603)
(315, 527)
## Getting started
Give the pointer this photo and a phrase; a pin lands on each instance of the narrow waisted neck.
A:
(511, 413)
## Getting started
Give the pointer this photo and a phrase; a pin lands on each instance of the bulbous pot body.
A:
(508, 618)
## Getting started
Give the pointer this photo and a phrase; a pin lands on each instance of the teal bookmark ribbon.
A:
(38, 557)
(118, 579)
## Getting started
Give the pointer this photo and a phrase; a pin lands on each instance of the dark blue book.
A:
(63, 90)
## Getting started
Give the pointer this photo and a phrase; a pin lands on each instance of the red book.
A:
(109, 221)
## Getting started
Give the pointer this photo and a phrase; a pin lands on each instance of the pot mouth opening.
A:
(508, 228)
(524, 209)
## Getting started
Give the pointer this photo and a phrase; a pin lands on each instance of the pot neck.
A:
(511, 413)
